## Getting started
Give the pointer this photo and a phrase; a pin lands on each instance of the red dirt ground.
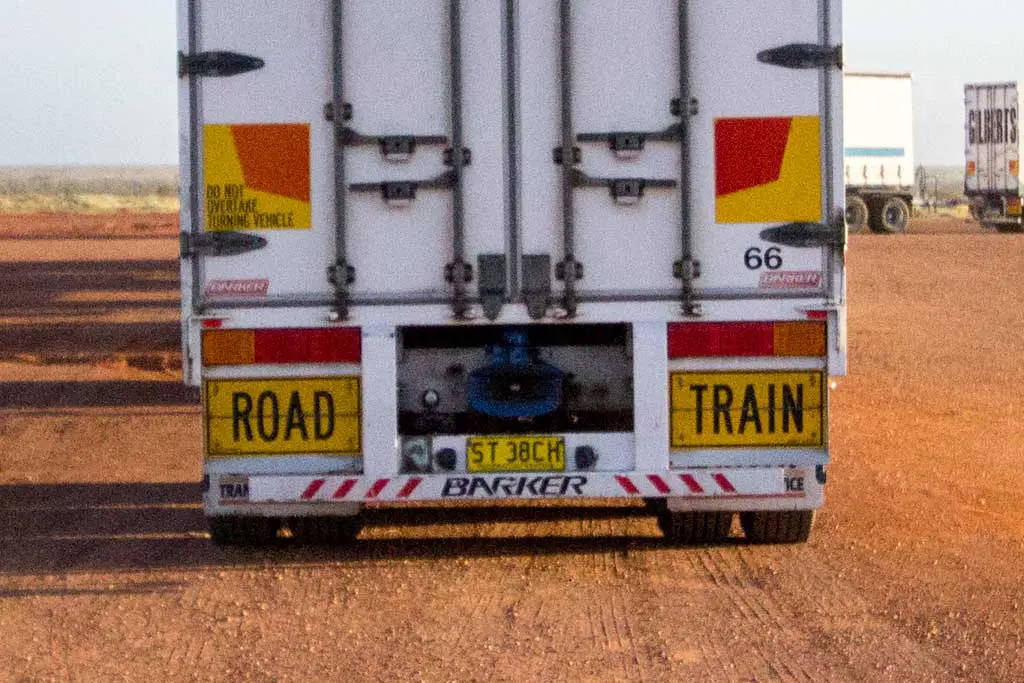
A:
(913, 571)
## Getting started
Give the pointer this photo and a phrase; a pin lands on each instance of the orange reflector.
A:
(746, 339)
(246, 347)
(800, 338)
(229, 347)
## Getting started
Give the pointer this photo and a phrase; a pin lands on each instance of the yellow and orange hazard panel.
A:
(257, 177)
(768, 170)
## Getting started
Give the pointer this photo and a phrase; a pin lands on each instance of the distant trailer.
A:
(878, 123)
(992, 173)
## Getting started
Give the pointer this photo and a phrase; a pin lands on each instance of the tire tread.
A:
(777, 526)
(695, 528)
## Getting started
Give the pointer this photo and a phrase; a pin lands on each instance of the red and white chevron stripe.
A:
(332, 489)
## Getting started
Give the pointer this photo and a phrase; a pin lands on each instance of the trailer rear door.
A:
(444, 151)
(687, 145)
(992, 134)
(337, 147)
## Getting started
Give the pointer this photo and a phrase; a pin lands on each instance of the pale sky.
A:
(93, 81)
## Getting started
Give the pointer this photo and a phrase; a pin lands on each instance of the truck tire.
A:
(977, 208)
(695, 528)
(235, 530)
(892, 216)
(856, 214)
(777, 526)
(327, 530)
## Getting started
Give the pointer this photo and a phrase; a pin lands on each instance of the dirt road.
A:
(913, 572)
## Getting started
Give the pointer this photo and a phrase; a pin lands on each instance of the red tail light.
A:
(701, 340)
(720, 339)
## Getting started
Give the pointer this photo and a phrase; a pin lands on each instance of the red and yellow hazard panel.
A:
(768, 170)
(257, 177)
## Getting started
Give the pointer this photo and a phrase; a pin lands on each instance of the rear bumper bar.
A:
(696, 488)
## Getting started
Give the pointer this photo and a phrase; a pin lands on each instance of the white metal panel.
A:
(292, 88)
(729, 82)
(625, 83)
(992, 137)
(625, 75)
(398, 77)
(380, 400)
(652, 422)
(622, 82)
(878, 121)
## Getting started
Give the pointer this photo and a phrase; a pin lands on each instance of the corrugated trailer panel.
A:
(992, 138)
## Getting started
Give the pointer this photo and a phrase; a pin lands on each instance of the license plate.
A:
(1013, 207)
(515, 454)
(282, 416)
(741, 409)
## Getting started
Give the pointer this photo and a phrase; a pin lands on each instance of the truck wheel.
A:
(893, 216)
(977, 209)
(856, 214)
(777, 526)
(235, 530)
(694, 528)
(328, 530)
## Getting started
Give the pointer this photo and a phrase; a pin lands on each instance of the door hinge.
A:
(220, 244)
(806, 235)
(217, 64)
(803, 56)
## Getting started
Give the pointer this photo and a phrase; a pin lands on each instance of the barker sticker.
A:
(257, 177)
(247, 288)
(768, 170)
(790, 279)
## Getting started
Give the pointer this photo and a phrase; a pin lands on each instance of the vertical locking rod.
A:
(459, 272)
(829, 199)
(341, 274)
(687, 268)
(569, 267)
(195, 156)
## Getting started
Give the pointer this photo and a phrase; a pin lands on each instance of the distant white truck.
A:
(878, 123)
(992, 150)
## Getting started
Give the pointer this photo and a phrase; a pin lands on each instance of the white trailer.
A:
(992, 150)
(878, 124)
(500, 250)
